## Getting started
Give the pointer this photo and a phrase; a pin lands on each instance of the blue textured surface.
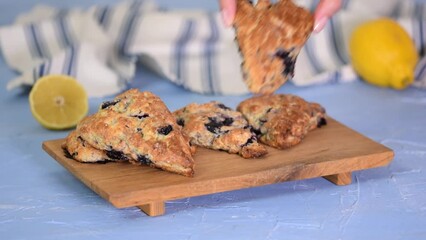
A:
(39, 199)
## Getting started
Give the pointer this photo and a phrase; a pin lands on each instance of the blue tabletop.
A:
(39, 199)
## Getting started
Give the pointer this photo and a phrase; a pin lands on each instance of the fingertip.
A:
(324, 11)
(228, 9)
(320, 24)
(327, 8)
(227, 17)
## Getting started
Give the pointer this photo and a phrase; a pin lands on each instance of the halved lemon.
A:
(58, 102)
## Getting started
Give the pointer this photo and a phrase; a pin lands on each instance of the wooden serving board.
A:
(333, 152)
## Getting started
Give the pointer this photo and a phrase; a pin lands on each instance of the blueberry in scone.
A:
(281, 120)
(216, 126)
(139, 127)
(270, 37)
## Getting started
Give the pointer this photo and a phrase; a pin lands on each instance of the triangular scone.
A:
(77, 148)
(282, 121)
(270, 37)
(138, 126)
(215, 126)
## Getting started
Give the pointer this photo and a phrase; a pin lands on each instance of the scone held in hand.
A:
(270, 37)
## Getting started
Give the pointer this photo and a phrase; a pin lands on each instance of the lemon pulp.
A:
(58, 102)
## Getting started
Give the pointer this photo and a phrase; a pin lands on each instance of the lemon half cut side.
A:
(58, 102)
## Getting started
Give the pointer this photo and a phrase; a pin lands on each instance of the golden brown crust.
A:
(78, 149)
(270, 37)
(282, 121)
(138, 126)
(216, 126)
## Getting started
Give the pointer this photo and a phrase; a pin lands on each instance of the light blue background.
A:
(39, 199)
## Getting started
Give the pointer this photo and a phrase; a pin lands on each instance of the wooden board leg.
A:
(153, 209)
(340, 179)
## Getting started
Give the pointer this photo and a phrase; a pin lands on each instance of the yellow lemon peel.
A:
(58, 102)
(383, 53)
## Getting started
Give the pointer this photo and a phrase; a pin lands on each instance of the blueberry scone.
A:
(270, 37)
(77, 148)
(216, 126)
(280, 120)
(138, 126)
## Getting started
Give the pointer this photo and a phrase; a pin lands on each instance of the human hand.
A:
(323, 12)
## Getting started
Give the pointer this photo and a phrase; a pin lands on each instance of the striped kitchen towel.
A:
(101, 46)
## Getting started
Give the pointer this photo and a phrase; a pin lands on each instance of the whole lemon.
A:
(383, 54)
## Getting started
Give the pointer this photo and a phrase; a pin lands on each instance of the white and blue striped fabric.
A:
(101, 46)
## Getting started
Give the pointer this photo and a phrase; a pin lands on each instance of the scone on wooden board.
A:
(216, 126)
(282, 121)
(77, 148)
(270, 37)
(138, 127)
